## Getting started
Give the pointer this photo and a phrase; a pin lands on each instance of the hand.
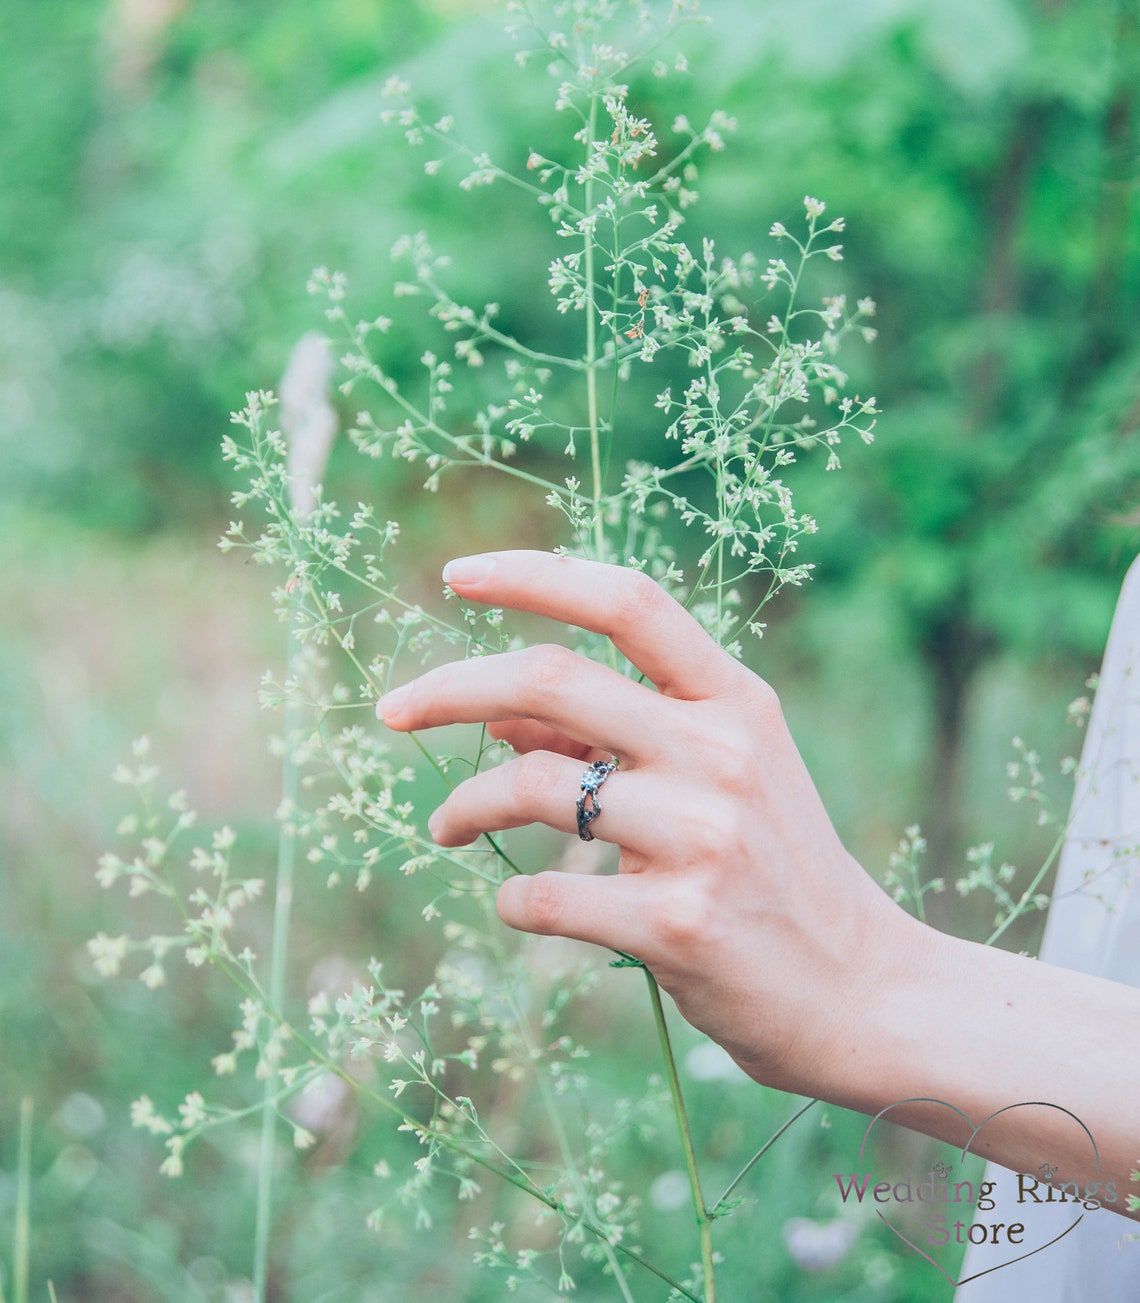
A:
(733, 887)
(737, 894)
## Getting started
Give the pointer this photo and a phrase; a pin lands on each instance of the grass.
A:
(107, 637)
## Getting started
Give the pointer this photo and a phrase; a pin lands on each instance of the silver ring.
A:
(589, 807)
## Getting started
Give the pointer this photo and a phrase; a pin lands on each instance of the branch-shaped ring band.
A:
(589, 807)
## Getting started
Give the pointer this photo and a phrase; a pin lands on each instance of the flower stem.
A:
(1027, 895)
(759, 1154)
(704, 1217)
(282, 909)
(592, 351)
(20, 1248)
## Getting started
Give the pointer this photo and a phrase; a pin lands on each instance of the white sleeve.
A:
(1093, 927)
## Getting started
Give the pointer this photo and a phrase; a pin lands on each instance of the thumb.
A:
(607, 911)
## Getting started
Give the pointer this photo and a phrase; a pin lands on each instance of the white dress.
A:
(1093, 927)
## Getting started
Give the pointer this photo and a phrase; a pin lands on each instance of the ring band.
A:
(589, 807)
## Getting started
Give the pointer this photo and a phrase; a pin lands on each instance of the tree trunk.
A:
(953, 651)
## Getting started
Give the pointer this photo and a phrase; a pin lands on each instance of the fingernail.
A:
(433, 826)
(468, 569)
(393, 702)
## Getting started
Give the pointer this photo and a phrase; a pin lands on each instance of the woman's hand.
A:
(736, 893)
(733, 888)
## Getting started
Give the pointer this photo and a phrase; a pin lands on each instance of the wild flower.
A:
(747, 379)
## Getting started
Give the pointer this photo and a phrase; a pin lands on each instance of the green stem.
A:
(231, 1116)
(703, 1216)
(917, 890)
(758, 1155)
(282, 910)
(1023, 904)
(21, 1251)
(592, 351)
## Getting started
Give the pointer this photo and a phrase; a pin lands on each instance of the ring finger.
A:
(542, 787)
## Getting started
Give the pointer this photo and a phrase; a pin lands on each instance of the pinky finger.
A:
(607, 911)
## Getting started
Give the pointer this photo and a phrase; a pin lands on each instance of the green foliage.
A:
(169, 188)
(762, 387)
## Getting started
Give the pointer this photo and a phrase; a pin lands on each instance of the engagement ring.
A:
(589, 807)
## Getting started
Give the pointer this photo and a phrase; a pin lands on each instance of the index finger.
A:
(647, 626)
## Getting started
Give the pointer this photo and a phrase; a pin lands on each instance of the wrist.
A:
(879, 1044)
(1037, 1058)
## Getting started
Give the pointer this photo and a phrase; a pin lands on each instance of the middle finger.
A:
(579, 698)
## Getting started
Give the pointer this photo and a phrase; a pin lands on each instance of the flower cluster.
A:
(742, 378)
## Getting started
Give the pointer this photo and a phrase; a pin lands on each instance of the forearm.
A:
(983, 1030)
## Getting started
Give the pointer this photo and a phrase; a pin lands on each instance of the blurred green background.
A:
(170, 172)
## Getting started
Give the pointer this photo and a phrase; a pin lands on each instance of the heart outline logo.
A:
(974, 1130)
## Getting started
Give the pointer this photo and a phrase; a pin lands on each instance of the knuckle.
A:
(750, 715)
(638, 598)
(534, 778)
(720, 747)
(548, 667)
(543, 906)
(732, 748)
(766, 707)
(749, 697)
(710, 833)
(684, 919)
(718, 829)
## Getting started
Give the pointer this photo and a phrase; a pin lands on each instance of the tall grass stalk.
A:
(21, 1247)
(283, 904)
(278, 971)
(701, 1213)
(310, 424)
(593, 364)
